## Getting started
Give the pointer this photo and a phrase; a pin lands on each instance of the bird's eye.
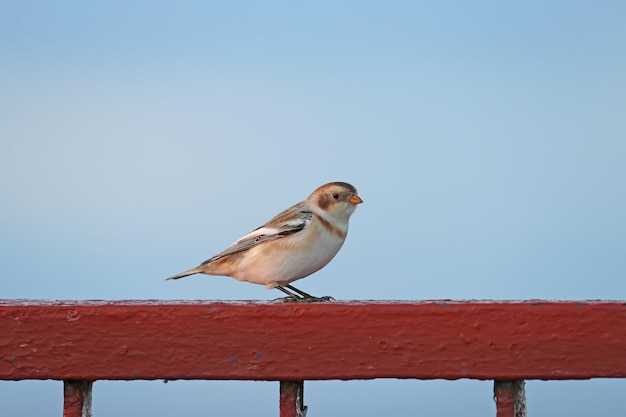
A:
(336, 196)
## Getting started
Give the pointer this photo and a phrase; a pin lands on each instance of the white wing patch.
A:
(260, 232)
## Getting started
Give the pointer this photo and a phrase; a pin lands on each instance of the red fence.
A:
(508, 342)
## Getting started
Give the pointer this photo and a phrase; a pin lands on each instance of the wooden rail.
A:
(508, 342)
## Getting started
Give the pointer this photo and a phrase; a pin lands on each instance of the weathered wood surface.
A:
(293, 342)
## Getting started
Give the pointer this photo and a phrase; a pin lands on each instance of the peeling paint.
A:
(73, 315)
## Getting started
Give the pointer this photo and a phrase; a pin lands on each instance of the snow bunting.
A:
(296, 243)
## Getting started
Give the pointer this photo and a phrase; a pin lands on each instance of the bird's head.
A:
(336, 199)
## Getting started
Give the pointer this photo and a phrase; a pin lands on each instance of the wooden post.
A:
(510, 397)
(292, 399)
(76, 398)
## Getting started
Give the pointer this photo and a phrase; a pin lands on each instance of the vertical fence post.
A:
(510, 397)
(292, 399)
(77, 398)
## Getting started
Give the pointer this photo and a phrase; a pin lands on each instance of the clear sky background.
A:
(487, 139)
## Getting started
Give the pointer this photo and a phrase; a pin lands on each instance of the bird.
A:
(294, 244)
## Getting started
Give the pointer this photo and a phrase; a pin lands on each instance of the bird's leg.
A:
(308, 297)
(302, 293)
(301, 298)
(292, 297)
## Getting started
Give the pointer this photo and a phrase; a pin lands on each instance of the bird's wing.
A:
(290, 221)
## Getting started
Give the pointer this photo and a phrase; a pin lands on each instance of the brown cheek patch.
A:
(323, 202)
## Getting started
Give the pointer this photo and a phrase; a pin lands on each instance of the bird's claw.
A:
(284, 300)
(324, 299)
(311, 299)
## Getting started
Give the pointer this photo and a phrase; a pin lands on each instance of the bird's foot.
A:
(285, 300)
(324, 299)
(309, 299)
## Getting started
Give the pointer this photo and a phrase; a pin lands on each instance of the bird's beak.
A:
(355, 199)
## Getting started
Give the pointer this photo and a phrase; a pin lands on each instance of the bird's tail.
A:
(185, 274)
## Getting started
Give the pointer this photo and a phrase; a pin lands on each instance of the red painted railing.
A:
(508, 342)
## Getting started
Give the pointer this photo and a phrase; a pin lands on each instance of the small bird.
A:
(294, 244)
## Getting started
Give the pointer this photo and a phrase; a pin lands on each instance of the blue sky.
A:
(488, 141)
